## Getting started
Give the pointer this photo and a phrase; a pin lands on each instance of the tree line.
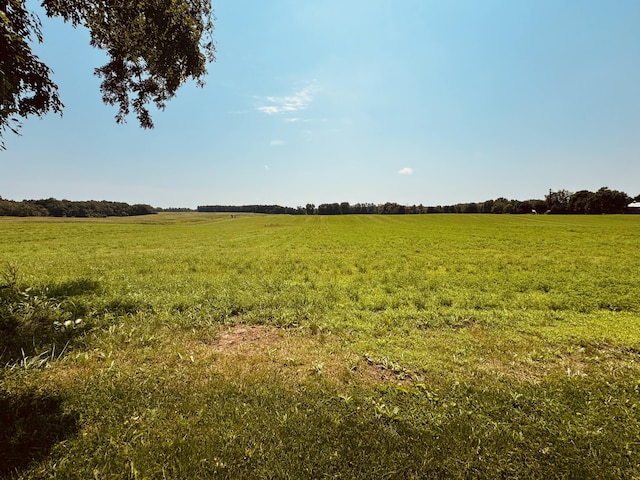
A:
(267, 209)
(584, 201)
(559, 202)
(52, 207)
(603, 200)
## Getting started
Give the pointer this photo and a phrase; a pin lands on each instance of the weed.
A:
(318, 368)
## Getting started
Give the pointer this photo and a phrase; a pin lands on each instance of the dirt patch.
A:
(248, 338)
(385, 371)
(297, 355)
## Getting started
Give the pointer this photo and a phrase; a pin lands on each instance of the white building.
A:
(633, 207)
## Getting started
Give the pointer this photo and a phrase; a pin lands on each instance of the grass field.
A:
(433, 346)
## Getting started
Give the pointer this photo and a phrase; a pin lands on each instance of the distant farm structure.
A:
(633, 207)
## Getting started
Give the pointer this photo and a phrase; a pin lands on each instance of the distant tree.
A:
(20, 209)
(358, 208)
(470, 208)
(141, 209)
(174, 209)
(499, 205)
(345, 208)
(524, 207)
(579, 200)
(540, 206)
(66, 208)
(391, 208)
(487, 205)
(55, 207)
(310, 208)
(153, 47)
(369, 208)
(329, 209)
(607, 201)
(558, 202)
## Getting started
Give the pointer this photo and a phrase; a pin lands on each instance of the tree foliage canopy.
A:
(153, 47)
(25, 86)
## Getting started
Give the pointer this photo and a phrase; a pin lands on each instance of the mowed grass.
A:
(433, 346)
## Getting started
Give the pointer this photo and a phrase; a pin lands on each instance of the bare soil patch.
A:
(248, 337)
(297, 355)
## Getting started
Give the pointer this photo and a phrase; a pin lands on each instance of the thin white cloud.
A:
(406, 171)
(270, 110)
(276, 143)
(300, 100)
(266, 167)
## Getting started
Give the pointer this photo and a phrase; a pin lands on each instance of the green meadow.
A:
(189, 346)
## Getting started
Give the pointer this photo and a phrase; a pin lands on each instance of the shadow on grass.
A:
(30, 425)
(35, 323)
(72, 288)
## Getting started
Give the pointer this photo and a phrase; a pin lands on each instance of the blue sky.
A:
(408, 101)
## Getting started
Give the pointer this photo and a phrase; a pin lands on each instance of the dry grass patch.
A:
(535, 364)
(298, 356)
(289, 354)
(248, 339)
(244, 353)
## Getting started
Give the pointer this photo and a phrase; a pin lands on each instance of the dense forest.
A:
(560, 202)
(67, 208)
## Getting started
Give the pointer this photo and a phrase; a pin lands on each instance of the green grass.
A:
(436, 346)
